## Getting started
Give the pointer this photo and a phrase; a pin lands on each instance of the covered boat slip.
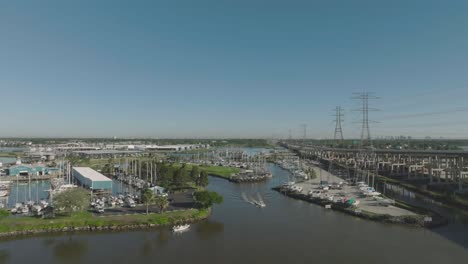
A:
(91, 178)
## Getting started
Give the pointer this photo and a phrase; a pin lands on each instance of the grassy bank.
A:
(87, 220)
(224, 172)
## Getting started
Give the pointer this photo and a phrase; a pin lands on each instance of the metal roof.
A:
(91, 174)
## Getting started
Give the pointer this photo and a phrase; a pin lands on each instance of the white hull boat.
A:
(180, 228)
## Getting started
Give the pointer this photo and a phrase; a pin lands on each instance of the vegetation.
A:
(73, 200)
(225, 172)
(311, 173)
(206, 199)
(85, 219)
(161, 202)
(4, 213)
(148, 198)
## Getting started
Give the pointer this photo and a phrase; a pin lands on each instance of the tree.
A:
(161, 202)
(195, 173)
(177, 179)
(202, 180)
(206, 199)
(312, 174)
(148, 197)
(69, 201)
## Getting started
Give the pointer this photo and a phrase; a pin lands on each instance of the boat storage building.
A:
(91, 178)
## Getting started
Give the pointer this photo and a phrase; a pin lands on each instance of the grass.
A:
(220, 171)
(224, 172)
(84, 219)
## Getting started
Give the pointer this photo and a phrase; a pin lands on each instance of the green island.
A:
(85, 221)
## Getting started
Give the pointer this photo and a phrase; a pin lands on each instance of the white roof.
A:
(91, 174)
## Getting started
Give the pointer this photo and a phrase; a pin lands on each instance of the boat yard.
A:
(336, 190)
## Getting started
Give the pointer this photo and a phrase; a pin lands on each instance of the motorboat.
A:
(25, 209)
(180, 228)
(315, 193)
(260, 204)
(36, 210)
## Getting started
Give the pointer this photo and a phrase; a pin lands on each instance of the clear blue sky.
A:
(231, 68)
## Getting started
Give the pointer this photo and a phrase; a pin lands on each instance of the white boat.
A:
(3, 193)
(260, 204)
(37, 210)
(24, 209)
(180, 228)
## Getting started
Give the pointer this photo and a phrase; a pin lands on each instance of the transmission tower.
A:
(304, 131)
(338, 119)
(365, 132)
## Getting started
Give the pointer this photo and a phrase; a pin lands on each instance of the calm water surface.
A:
(286, 231)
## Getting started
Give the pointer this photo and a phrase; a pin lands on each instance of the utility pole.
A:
(304, 131)
(338, 120)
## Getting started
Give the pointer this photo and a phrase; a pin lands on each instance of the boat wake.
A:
(259, 203)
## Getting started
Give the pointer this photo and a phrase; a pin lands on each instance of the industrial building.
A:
(29, 170)
(91, 179)
(106, 153)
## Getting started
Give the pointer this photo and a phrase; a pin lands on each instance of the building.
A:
(30, 170)
(91, 179)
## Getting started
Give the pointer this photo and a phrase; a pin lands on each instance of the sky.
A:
(232, 69)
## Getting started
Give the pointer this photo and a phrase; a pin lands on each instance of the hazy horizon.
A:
(248, 69)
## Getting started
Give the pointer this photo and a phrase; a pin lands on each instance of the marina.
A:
(230, 230)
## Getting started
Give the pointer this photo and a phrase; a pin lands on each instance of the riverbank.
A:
(416, 220)
(85, 222)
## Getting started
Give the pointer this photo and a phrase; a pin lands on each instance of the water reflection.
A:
(153, 243)
(4, 256)
(209, 229)
(69, 250)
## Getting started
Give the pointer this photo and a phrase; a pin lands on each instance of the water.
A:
(286, 231)
(22, 192)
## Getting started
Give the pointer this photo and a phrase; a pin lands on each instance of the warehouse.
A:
(30, 170)
(91, 179)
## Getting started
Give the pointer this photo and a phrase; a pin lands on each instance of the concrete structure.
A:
(436, 167)
(91, 178)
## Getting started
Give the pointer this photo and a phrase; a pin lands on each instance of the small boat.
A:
(180, 228)
(3, 193)
(25, 209)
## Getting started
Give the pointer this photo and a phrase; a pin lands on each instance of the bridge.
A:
(436, 167)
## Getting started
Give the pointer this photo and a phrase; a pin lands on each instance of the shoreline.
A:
(112, 223)
(414, 221)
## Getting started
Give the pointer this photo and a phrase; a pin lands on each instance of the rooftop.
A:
(91, 174)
